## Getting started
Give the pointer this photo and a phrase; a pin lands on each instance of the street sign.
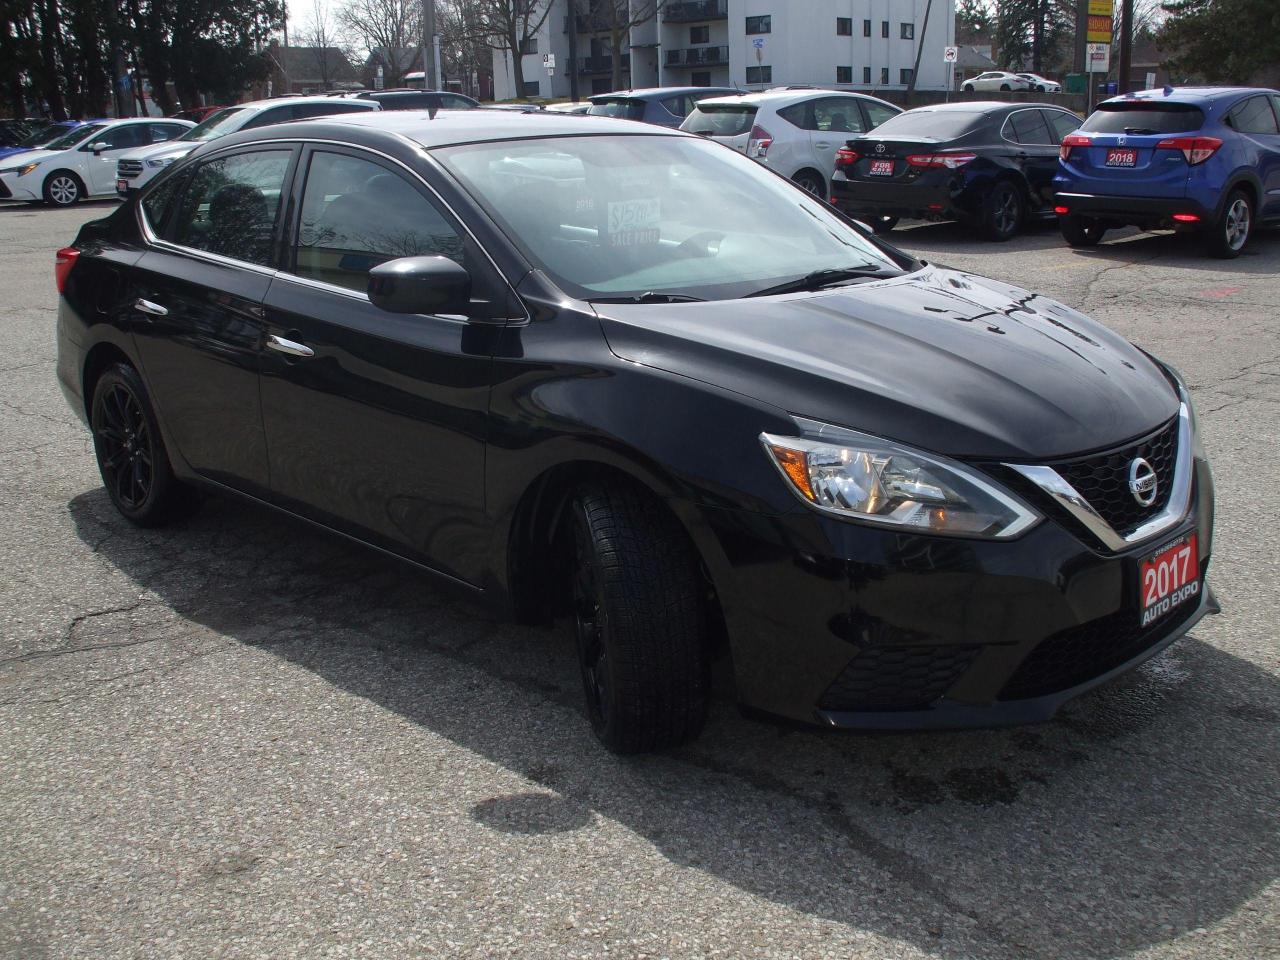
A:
(549, 61)
(1098, 58)
(950, 54)
(758, 43)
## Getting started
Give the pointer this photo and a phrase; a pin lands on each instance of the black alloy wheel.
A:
(131, 456)
(639, 620)
(1002, 212)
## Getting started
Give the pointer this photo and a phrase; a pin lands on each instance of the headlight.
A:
(161, 163)
(21, 171)
(864, 478)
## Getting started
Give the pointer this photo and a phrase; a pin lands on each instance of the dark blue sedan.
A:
(1191, 158)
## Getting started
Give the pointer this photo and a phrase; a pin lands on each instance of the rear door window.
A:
(621, 109)
(678, 106)
(232, 204)
(1027, 127)
(720, 120)
(274, 115)
(1140, 117)
(1254, 116)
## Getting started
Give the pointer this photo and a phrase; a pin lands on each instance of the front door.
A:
(376, 421)
(196, 311)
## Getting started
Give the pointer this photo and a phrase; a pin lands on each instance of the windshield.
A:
(622, 109)
(720, 120)
(1139, 117)
(937, 124)
(624, 216)
(78, 135)
(215, 125)
(41, 135)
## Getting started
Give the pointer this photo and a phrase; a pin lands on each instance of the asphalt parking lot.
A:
(240, 738)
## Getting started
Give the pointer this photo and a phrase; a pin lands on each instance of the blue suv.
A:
(1193, 158)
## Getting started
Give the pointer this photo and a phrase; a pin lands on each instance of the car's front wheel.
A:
(62, 188)
(130, 452)
(1002, 212)
(640, 617)
(1227, 236)
(1081, 231)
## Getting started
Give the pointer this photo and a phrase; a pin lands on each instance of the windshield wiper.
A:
(1138, 131)
(650, 297)
(824, 278)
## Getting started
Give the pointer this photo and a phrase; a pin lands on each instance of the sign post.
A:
(549, 61)
(1097, 60)
(949, 56)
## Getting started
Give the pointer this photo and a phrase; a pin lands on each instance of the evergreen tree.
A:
(1221, 41)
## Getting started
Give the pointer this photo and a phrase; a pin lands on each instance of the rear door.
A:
(376, 422)
(832, 121)
(1030, 144)
(197, 312)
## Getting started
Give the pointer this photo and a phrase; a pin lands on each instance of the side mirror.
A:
(99, 147)
(420, 285)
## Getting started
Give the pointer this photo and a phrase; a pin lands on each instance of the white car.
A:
(795, 132)
(1041, 84)
(996, 80)
(136, 168)
(83, 163)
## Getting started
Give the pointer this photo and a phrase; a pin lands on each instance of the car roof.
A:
(1176, 94)
(981, 106)
(278, 101)
(452, 127)
(651, 93)
(767, 97)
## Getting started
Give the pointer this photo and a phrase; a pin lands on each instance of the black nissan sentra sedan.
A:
(598, 369)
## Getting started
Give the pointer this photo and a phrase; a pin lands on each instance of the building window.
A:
(759, 74)
(529, 46)
(884, 76)
(531, 88)
(904, 76)
(759, 25)
(700, 78)
(844, 26)
(844, 74)
(700, 34)
(866, 28)
(866, 75)
(906, 31)
(884, 29)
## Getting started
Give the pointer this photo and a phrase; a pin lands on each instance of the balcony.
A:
(697, 57)
(602, 64)
(690, 11)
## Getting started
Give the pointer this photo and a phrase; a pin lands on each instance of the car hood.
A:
(6, 152)
(942, 360)
(159, 151)
(35, 156)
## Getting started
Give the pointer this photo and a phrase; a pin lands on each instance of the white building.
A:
(855, 44)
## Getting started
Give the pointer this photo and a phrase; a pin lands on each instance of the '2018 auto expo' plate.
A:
(1169, 578)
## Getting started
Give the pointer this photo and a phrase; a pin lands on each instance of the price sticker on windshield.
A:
(634, 223)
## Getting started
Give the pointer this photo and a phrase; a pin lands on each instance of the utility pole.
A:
(1126, 47)
(573, 50)
(911, 87)
(428, 43)
(1082, 37)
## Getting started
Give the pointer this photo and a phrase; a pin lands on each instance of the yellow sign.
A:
(1101, 8)
(1099, 30)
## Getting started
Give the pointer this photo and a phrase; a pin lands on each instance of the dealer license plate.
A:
(882, 168)
(1122, 158)
(1168, 579)
(122, 186)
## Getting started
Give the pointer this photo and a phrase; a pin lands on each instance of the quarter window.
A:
(232, 204)
(1254, 116)
(156, 203)
(759, 24)
(1062, 124)
(878, 113)
(357, 214)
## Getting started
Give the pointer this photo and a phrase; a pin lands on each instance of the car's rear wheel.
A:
(811, 182)
(1081, 231)
(884, 224)
(131, 455)
(62, 188)
(1002, 212)
(640, 618)
(1005, 86)
(1227, 236)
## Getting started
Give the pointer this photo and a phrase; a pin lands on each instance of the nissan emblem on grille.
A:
(1142, 482)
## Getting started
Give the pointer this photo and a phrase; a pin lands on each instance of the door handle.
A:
(146, 306)
(290, 348)
(823, 146)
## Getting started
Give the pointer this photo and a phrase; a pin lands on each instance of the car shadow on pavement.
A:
(1145, 813)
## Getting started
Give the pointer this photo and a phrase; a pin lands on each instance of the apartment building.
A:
(855, 44)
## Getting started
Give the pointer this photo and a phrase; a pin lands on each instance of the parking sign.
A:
(950, 54)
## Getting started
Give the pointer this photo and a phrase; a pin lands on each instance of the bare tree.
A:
(321, 35)
(509, 25)
(465, 49)
(388, 28)
(615, 17)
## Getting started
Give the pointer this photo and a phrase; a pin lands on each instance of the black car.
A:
(586, 368)
(989, 164)
(420, 100)
(663, 106)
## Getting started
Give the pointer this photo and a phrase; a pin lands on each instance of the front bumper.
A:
(1135, 210)
(13, 187)
(846, 625)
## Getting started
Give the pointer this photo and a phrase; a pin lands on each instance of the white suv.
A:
(997, 80)
(795, 132)
(135, 169)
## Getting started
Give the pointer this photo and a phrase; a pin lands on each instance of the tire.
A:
(1005, 87)
(1003, 211)
(967, 87)
(884, 224)
(62, 188)
(640, 620)
(812, 182)
(1081, 231)
(130, 452)
(1226, 237)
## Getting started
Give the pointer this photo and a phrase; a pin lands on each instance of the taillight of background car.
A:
(846, 157)
(758, 142)
(935, 161)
